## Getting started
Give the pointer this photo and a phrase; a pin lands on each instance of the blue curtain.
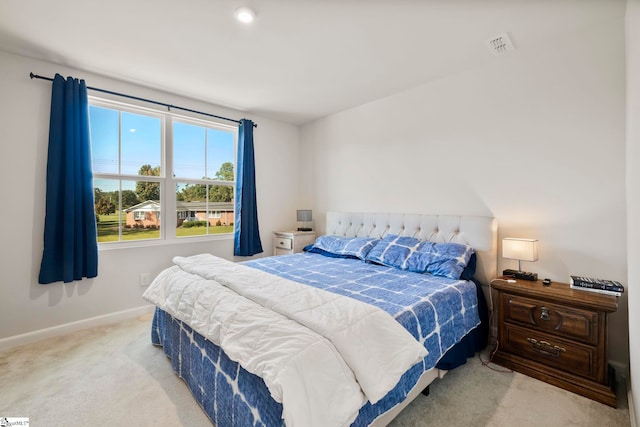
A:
(70, 246)
(247, 236)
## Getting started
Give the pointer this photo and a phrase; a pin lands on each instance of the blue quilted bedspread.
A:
(437, 311)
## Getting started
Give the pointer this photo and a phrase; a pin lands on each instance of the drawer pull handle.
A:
(545, 314)
(545, 347)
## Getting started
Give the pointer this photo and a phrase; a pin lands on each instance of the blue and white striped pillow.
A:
(395, 251)
(348, 247)
(443, 259)
(411, 254)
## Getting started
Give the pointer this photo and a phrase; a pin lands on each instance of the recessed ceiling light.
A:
(244, 15)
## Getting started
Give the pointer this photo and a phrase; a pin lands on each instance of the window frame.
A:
(168, 183)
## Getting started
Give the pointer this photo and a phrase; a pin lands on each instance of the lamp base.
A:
(304, 229)
(522, 275)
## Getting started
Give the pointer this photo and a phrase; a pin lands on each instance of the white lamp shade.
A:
(304, 215)
(520, 249)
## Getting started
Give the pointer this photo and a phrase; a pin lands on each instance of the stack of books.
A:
(608, 287)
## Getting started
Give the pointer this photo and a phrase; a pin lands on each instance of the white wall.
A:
(633, 193)
(24, 120)
(535, 138)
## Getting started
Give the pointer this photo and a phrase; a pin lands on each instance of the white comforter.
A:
(320, 354)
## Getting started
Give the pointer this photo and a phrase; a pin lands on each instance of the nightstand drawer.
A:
(552, 318)
(283, 242)
(291, 242)
(555, 352)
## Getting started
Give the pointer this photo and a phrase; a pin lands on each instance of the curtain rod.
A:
(169, 106)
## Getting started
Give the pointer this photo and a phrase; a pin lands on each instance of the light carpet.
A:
(113, 376)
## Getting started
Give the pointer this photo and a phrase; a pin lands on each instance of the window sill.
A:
(133, 244)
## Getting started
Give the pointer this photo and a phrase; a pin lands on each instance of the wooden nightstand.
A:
(291, 242)
(557, 335)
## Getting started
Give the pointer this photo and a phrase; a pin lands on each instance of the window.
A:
(146, 162)
(204, 165)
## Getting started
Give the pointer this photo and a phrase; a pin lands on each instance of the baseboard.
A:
(29, 337)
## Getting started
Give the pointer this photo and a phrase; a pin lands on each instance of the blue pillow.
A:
(395, 251)
(408, 253)
(442, 259)
(347, 247)
(313, 250)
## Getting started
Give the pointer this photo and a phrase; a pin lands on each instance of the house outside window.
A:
(147, 161)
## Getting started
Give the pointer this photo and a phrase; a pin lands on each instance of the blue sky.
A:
(198, 151)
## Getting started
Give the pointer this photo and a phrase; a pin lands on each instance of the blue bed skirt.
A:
(471, 343)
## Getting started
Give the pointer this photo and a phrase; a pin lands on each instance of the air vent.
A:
(499, 44)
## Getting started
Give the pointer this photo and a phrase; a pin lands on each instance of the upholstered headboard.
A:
(479, 232)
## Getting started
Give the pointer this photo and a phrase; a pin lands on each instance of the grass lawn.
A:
(200, 231)
(108, 230)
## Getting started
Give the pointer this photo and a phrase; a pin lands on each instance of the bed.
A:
(365, 309)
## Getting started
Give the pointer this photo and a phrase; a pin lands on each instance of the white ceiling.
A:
(300, 60)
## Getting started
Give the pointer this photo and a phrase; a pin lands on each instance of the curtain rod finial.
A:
(31, 75)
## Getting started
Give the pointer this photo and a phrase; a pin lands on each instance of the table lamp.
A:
(304, 220)
(522, 250)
